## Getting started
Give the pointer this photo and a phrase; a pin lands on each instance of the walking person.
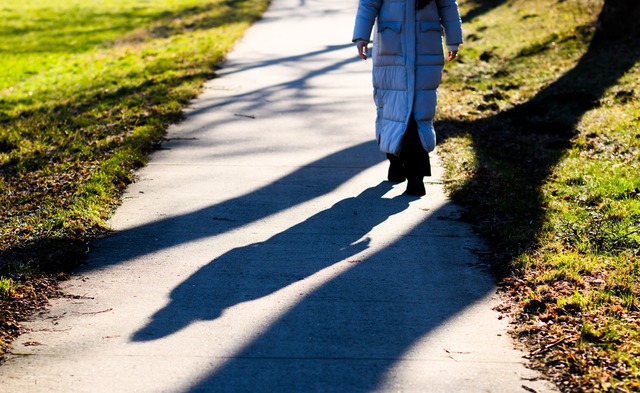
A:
(408, 60)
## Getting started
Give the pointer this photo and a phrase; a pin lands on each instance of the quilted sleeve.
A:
(450, 20)
(365, 18)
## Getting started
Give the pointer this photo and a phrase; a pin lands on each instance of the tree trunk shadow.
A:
(530, 139)
(481, 7)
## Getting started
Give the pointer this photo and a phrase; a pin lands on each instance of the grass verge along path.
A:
(540, 134)
(87, 90)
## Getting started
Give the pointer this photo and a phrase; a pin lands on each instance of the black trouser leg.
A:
(396, 169)
(413, 156)
(415, 160)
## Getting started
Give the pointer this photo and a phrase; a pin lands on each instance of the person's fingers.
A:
(452, 55)
(362, 49)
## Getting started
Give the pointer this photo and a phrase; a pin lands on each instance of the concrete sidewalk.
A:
(262, 251)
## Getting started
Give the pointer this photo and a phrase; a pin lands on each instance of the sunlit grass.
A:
(87, 89)
(498, 67)
(7, 287)
(91, 86)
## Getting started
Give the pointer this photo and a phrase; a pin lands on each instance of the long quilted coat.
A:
(408, 59)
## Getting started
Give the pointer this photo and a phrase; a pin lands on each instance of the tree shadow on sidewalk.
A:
(300, 186)
(64, 253)
(62, 249)
(257, 270)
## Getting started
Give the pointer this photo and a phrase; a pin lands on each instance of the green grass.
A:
(540, 135)
(7, 287)
(90, 93)
(88, 89)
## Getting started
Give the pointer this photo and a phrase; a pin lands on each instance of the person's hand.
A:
(452, 55)
(362, 49)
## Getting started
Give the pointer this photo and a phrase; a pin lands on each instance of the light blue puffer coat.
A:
(408, 59)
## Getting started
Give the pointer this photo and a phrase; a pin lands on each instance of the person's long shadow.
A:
(353, 333)
(530, 139)
(257, 270)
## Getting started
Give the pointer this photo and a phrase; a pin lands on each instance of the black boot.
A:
(415, 186)
(396, 169)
